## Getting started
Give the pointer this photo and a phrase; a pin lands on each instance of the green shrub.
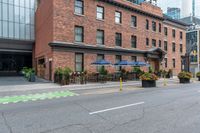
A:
(185, 75)
(198, 74)
(103, 71)
(148, 76)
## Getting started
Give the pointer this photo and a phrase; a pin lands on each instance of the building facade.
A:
(17, 26)
(76, 33)
(174, 13)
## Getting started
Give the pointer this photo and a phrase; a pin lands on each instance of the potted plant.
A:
(103, 73)
(184, 77)
(31, 75)
(66, 76)
(58, 75)
(148, 79)
(198, 75)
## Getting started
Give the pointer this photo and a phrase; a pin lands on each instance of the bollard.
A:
(120, 84)
(165, 82)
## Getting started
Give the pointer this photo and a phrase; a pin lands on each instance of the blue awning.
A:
(123, 63)
(101, 63)
(139, 64)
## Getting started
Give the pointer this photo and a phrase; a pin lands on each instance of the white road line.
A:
(115, 108)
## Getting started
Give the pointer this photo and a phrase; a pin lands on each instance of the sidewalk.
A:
(32, 88)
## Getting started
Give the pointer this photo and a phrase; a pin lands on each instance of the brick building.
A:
(75, 33)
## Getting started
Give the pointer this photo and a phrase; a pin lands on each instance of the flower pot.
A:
(32, 77)
(148, 83)
(184, 80)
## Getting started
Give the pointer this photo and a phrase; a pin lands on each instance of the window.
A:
(134, 41)
(147, 41)
(100, 37)
(160, 43)
(79, 7)
(173, 47)
(181, 35)
(118, 58)
(118, 39)
(173, 33)
(153, 42)
(134, 58)
(147, 24)
(160, 27)
(100, 57)
(165, 46)
(153, 25)
(166, 64)
(133, 21)
(79, 34)
(118, 17)
(79, 62)
(100, 12)
(166, 31)
(181, 48)
(174, 63)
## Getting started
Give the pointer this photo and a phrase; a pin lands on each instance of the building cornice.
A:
(130, 8)
(95, 49)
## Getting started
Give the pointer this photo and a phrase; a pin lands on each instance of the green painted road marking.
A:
(35, 97)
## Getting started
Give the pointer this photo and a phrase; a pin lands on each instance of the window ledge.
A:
(80, 15)
(100, 45)
(134, 27)
(100, 19)
(120, 24)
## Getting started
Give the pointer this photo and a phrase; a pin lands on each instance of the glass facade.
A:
(17, 19)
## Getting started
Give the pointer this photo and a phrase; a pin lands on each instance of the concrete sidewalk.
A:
(43, 87)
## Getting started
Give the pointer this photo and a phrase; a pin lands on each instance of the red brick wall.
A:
(65, 20)
(55, 21)
(44, 28)
(177, 54)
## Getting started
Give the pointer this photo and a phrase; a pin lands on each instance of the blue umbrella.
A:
(101, 63)
(123, 63)
(139, 64)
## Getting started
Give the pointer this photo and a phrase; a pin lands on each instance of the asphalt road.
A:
(168, 110)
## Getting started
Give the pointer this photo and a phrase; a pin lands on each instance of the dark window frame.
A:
(160, 27)
(102, 13)
(147, 24)
(154, 26)
(80, 63)
(173, 47)
(147, 41)
(118, 17)
(118, 39)
(166, 31)
(165, 45)
(134, 41)
(76, 5)
(173, 33)
(160, 43)
(100, 37)
(174, 63)
(133, 21)
(154, 43)
(79, 34)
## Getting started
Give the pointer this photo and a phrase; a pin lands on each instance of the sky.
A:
(169, 3)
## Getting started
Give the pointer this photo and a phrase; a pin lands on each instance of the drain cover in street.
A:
(35, 97)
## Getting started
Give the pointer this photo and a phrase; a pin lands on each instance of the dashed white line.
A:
(115, 108)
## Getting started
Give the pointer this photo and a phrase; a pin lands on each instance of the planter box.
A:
(184, 81)
(148, 83)
(32, 78)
